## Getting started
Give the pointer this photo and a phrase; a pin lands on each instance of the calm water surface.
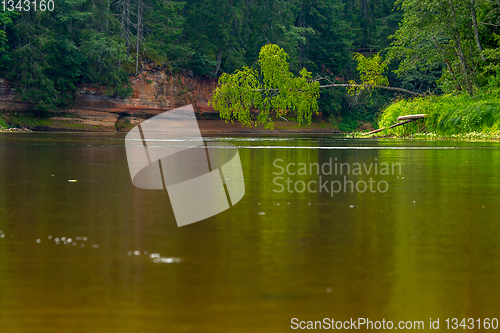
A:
(429, 247)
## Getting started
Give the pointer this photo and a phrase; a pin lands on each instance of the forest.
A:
(427, 46)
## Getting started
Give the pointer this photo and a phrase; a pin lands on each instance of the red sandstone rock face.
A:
(155, 88)
(154, 92)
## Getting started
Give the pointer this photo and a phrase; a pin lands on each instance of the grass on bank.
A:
(15, 120)
(3, 123)
(448, 116)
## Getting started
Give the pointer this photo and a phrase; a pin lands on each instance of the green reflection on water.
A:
(428, 247)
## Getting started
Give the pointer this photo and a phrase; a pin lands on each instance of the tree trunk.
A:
(447, 62)
(139, 31)
(476, 30)
(463, 61)
(365, 9)
(219, 59)
(122, 23)
(109, 11)
(367, 86)
(127, 30)
(460, 52)
(301, 45)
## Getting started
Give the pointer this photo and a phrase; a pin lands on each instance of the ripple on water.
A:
(155, 257)
(78, 240)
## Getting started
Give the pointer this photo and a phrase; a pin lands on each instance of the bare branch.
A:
(347, 85)
(368, 86)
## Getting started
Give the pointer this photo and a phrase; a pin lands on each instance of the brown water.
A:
(429, 247)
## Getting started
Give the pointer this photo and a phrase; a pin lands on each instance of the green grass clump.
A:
(455, 116)
(3, 123)
(22, 121)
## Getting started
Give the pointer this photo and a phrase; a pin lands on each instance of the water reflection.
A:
(426, 248)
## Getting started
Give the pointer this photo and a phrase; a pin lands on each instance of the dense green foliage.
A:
(457, 41)
(427, 46)
(47, 55)
(272, 88)
(371, 73)
(441, 45)
(452, 36)
(448, 116)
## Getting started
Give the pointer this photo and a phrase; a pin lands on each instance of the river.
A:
(83, 250)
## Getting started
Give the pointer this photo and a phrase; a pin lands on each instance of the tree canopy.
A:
(435, 46)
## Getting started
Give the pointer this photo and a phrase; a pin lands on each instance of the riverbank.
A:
(449, 116)
(98, 121)
(154, 92)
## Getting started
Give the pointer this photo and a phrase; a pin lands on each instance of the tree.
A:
(271, 88)
(438, 33)
(123, 7)
(327, 48)
(163, 28)
(371, 72)
(5, 21)
(29, 72)
(56, 51)
(217, 29)
(370, 22)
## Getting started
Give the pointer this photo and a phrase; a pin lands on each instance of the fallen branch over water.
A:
(368, 86)
(407, 119)
(348, 85)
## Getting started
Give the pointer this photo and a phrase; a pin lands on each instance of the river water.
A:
(423, 244)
